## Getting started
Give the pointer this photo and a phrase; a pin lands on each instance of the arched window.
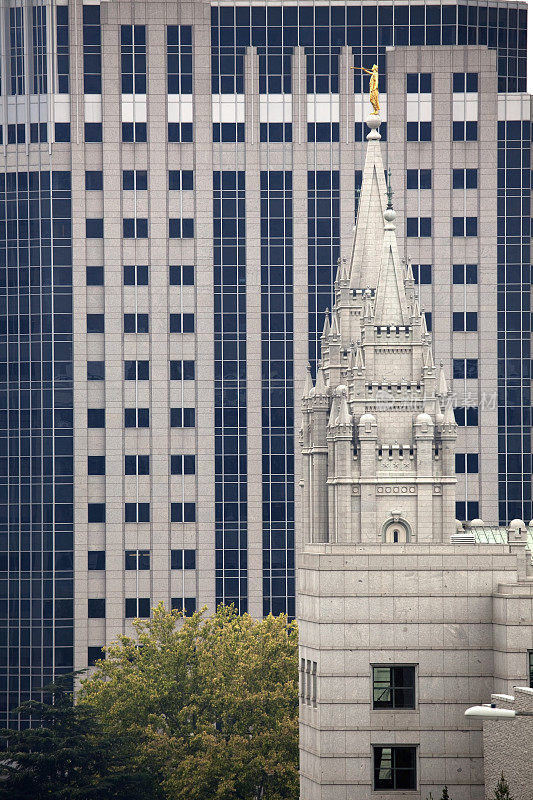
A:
(396, 532)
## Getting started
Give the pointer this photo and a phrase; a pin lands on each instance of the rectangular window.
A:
(465, 511)
(183, 559)
(465, 81)
(95, 558)
(228, 131)
(394, 767)
(464, 320)
(419, 179)
(322, 131)
(467, 462)
(466, 416)
(393, 687)
(181, 228)
(134, 131)
(95, 465)
(136, 323)
(94, 228)
(180, 131)
(464, 273)
(180, 179)
(93, 131)
(135, 179)
(39, 50)
(16, 40)
(135, 228)
(136, 370)
(96, 370)
(418, 82)
(182, 465)
(183, 512)
(136, 275)
(136, 417)
(92, 50)
(137, 607)
(95, 512)
(179, 59)
(96, 417)
(464, 226)
(136, 512)
(278, 131)
(95, 323)
(530, 668)
(137, 559)
(182, 323)
(94, 654)
(96, 608)
(323, 72)
(465, 368)
(422, 273)
(181, 275)
(182, 370)
(186, 604)
(133, 58)
(94, 178)
(419, 131)
(464, 178)
(38, 132)
(419, 227)
(182, 417)
(464, 131)
(137, 465)
(62, 49)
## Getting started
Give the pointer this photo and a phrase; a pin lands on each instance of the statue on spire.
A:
(374, 86)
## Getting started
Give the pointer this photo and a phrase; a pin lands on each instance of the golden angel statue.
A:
(374, 89)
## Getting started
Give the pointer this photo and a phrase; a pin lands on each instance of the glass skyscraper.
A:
(178, 186)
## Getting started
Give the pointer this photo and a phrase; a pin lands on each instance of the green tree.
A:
(501, 792)
(210, 705)
(445, 795)
(68, 758)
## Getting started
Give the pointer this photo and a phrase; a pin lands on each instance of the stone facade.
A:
(508, 745)
(390, 584)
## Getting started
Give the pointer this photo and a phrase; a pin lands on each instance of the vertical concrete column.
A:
(368, 436)
(319, 412)
(424, 440)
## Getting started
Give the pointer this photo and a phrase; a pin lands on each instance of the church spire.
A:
(368, 233)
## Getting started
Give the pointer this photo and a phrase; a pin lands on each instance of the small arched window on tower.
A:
(396, 531)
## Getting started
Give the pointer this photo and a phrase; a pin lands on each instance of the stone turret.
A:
(381, 429)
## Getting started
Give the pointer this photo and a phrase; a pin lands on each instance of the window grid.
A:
(323, 201)
(277, 392)
(36, 410)
(514, 321)
(179, 59)
(40, 82)
(63, 55)
(133, 58)
(231, 529)
(16, 40)
(92, 50)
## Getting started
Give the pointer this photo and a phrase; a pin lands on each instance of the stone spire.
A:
(368, 233)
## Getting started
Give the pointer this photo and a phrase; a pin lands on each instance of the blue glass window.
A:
(137, 608)
(94, 228)
(180, 179)
(182, 323)
(185, 604)
(180, 131)
(94, 179)
(40, 82)
(62, 45)
(96, 559)
(92, 50)
(183, 512)
(182, 370)
(136, 370)
(228, 131)
(135, 228)
(181, 275)
(418, 226)
(16, 40)
(95, 323)
(422, 273)
(136, 417)
(133, 58)
(135, 275)
(181, 228)
(137, 512)
(419, 131)
(182, 465)
(96, 370)
(96, 417)
(183, 559)
(419, 179)
(464, 273)
(95, 512)
(179, 59)
(182, 417)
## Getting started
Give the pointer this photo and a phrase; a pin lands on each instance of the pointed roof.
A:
(368, 233)
(334, 326)
(391, 301)
(325, 331)
(344, 418)
(320, 386)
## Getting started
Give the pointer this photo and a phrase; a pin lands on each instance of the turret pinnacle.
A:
(344, 418)
(326, 329)
(308, 385)
(442, 386)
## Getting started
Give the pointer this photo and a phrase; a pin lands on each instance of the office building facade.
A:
(179, 182)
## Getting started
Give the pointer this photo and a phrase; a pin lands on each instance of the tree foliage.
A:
(209, 705)
(501, 792)
(68, 758)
